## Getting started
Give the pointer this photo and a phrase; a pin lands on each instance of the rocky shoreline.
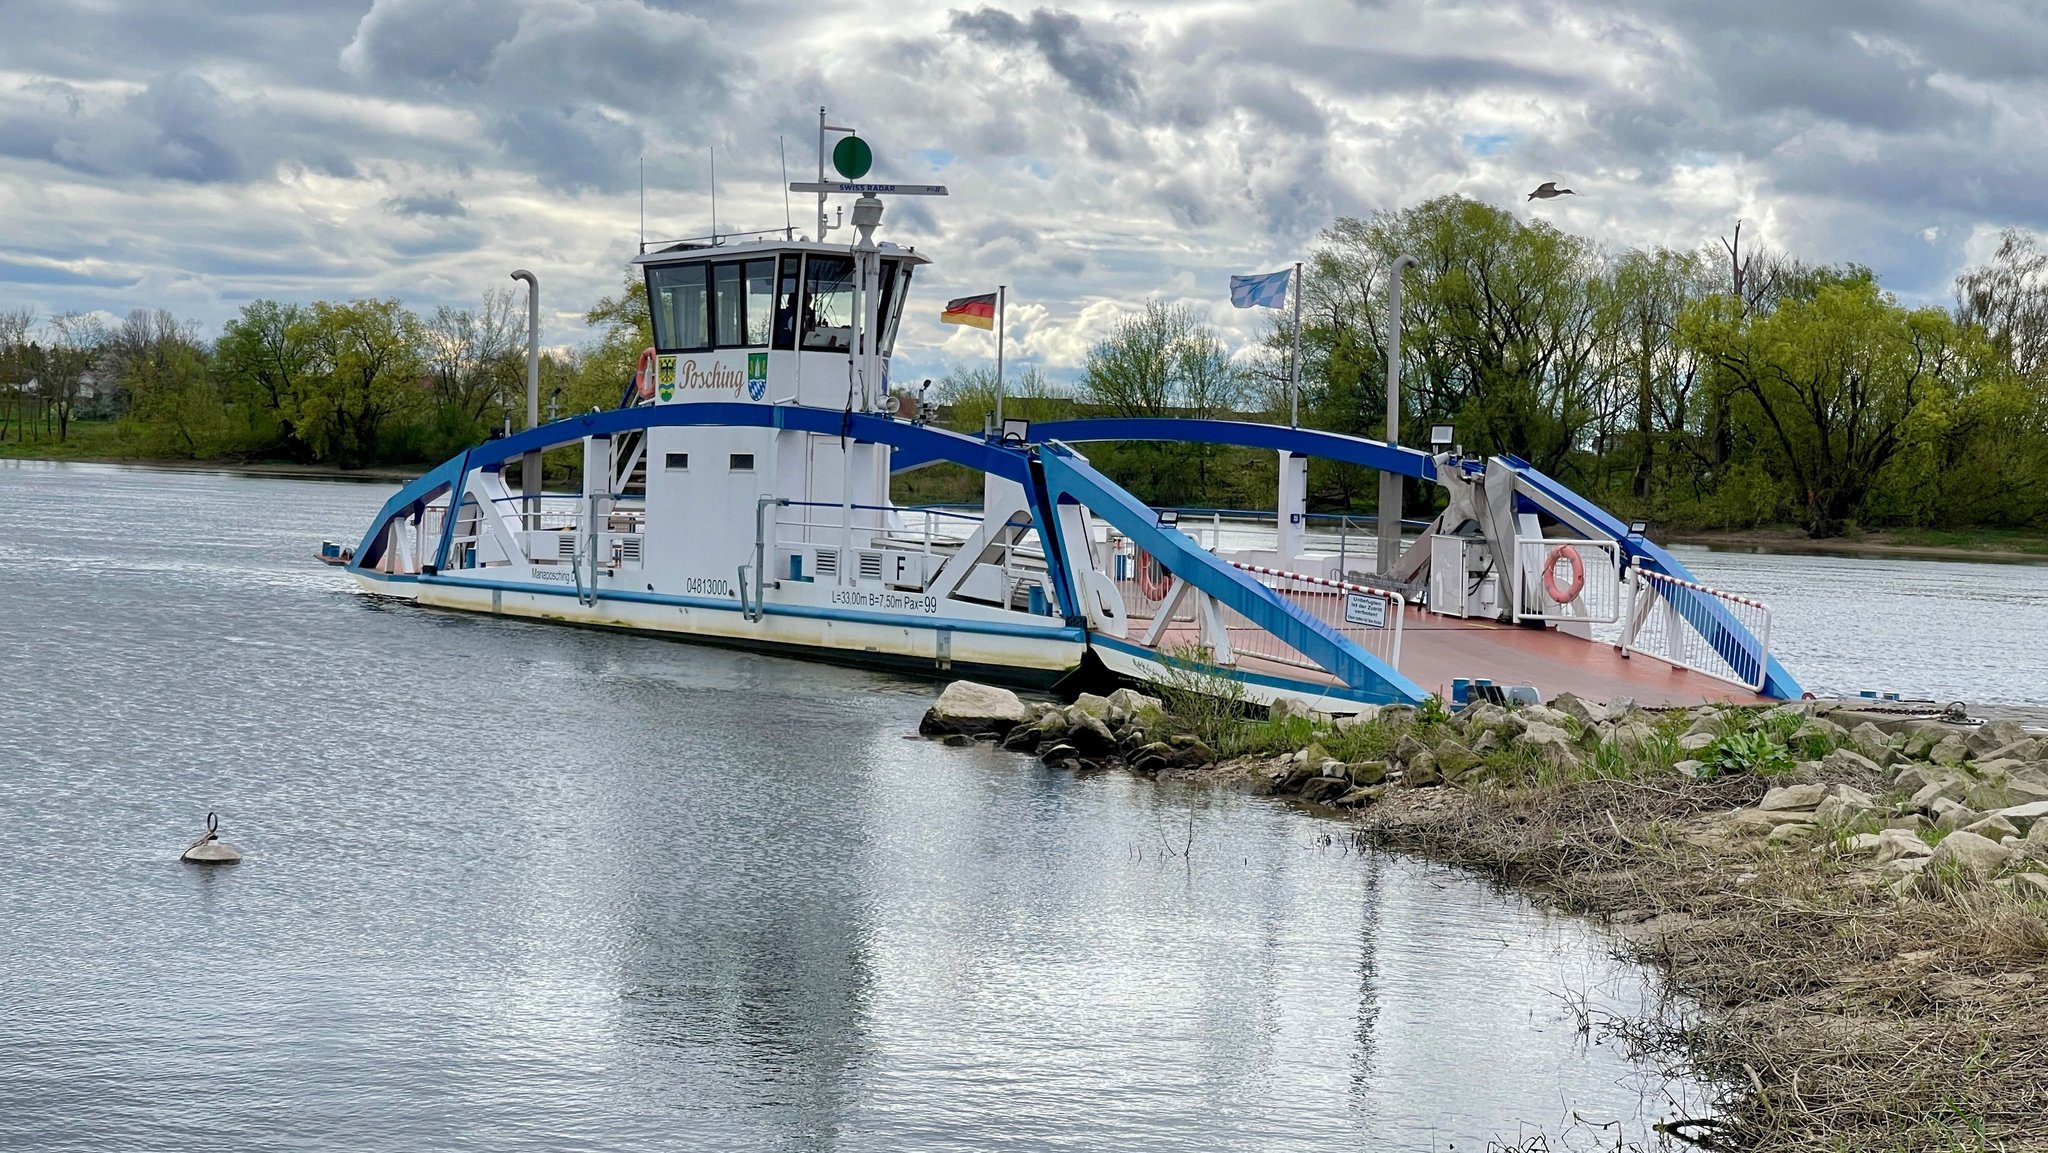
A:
(1859, 909)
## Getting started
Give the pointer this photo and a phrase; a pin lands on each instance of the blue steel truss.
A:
(1069, 478)
(1728, 636)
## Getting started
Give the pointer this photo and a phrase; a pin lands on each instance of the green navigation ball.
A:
(852, 157)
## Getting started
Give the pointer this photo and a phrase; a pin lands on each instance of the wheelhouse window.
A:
(741, 462)
(895, 282)
(703, 306)
(678, 299)
(731, 306)
(785, 301)
(679, 460)
(760, 303)
(828, 304)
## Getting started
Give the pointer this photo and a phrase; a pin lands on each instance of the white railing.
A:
(1689, 625)
(1567, 580)
(1368, 617)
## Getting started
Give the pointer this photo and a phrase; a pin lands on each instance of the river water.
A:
(516, 886)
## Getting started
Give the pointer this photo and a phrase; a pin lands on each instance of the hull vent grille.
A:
(828, 562)
(565, 546)
(871, 566)
(629, 549)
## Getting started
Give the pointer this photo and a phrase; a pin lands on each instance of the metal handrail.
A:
(930, 510)
(1685, 644)
(1347, 586)
(1400, 602)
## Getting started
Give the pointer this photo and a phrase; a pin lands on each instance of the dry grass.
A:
(1849, 1018)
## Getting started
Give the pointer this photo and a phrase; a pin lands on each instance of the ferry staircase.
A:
(629, 464)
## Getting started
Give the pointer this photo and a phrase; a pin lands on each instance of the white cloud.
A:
(196, 155)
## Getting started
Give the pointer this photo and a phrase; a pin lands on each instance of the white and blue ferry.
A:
(739, 495)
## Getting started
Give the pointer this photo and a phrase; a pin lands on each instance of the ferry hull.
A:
(1025, 657)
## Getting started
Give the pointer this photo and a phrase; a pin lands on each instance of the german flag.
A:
(979, 311)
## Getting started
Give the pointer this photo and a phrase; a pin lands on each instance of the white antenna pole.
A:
(714, 194)
(788, 229)
(1002, 301)
(821, 171)
(1294, 388)
(643, 204)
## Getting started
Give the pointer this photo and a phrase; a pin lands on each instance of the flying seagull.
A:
(1548, 190)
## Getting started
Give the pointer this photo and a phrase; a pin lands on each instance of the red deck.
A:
(1437, 649)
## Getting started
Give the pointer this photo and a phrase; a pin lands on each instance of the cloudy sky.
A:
(195, 156)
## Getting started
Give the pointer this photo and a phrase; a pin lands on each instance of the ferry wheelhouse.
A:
(739, 495)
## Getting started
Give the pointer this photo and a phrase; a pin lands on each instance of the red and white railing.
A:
(1689, 632)
(1369, 617)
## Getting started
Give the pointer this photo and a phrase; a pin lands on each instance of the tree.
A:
(476, 357)
(1501, 332)
(17, 366)
(971, 395)
(1834, 381)
(366, 369)
(263, 360)
(1656, 373)
(627, 327)
(174, 404)
(1163, 362)
(2008, 298)
(76, 340)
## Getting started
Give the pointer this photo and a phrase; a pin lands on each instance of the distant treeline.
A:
(353, 383)
(1730, 386)
(1727, 387)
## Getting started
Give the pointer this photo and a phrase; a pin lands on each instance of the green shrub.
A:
(1754, 752)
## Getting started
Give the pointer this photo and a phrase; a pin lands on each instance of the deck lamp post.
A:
(1389, 549)
(529, 465)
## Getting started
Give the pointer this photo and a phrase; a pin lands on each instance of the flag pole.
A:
(1002, 299)
(1294, 391)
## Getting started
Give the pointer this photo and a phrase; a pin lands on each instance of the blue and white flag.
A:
(1267, 291)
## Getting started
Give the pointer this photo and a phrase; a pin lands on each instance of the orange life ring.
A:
(643, 375)
(1569, 592)
(1153, 578)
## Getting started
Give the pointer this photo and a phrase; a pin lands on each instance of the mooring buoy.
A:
(209, 849)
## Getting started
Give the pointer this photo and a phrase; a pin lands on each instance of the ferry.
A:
(739, 495)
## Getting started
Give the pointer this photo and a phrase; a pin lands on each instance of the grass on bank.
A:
(85, 440)
(2033, 543)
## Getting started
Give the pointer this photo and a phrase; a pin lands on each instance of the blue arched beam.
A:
(1067, 477)
(932, 443)
(1728, 636)
(409, 502)
(1244, 434)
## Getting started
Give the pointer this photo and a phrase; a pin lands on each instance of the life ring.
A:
(1152, 576)
(643, 375)
(1569, 592)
